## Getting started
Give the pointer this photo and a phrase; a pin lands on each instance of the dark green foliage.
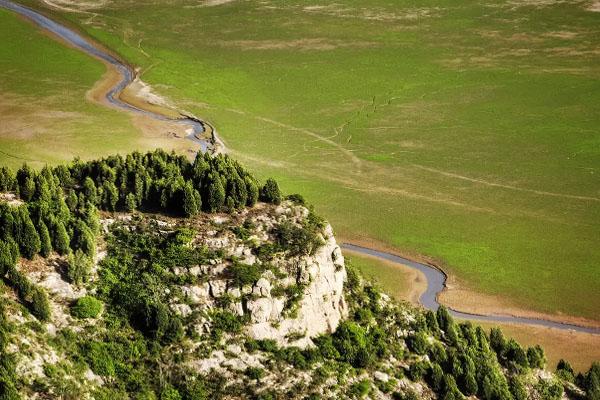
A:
(409, 394)
(565, 371)
(296, 199)
(417, 370)
(515, 355)
(254, 373)
(8, 378)
(90, 191)
(298, 240)
(7, 180)
(130, 202)
(449, 388)
(86, 307)
(7, 260)
(215, 194)
(360, 389)
(536, 357)
(252, 191)
(352, 344)
(34, 298)
(39, 306)
(110, 196)
(243, 274)
(61, 239)
(517, 389)
(436, 377)
(46, 242)
(191, 200)
(270, 192)
(99, 358)
(170, 393)
(224, 321)
(497, 341)
(27, 237)
(549, 390)
(25, 181)
(83, 239)
(418, 343)
(591, 382)
(78, 267)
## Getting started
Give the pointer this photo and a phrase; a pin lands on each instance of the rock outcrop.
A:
(321, 307)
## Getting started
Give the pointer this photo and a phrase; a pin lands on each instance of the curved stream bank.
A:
(126, 72)
(436, 283)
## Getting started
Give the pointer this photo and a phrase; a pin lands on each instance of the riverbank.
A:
(437, 284)
(115, 88)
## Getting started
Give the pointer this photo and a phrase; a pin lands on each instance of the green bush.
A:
(360, 389)
(244, 274)
(86, 307)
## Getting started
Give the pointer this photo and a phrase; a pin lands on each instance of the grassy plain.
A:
(467, 132)
(399, 281)
(45, 112)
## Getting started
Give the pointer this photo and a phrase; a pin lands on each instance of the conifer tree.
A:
(270, 192)
(252, 189)
(191, 200)
(46, 244)
(130, 202)
(29, 240)
(61, 239)
(215, 194)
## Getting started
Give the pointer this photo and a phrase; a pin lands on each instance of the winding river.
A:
(436, 279)
(126, 73)
(436, 282)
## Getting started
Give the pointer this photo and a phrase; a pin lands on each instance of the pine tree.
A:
(517, 389)
(61, 239)
(29, 243)
(6, 258)
(7, 179)
(79, 266)
(111, 196)
(25, 182)
(130, 202)
(46, 244)
(83, 239)
(91, 219)
(40, 307)
(215, 195)
(270, 192)
(191, 200)
(252, 189)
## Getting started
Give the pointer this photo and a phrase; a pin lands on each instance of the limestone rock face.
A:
(320, 309)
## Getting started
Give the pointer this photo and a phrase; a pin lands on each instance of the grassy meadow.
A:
(467, 132)
(44, 114)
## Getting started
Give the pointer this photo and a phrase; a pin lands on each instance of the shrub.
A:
(244, 274)
(360, 389)
(40, 307)
(254, 373)
(86, 307)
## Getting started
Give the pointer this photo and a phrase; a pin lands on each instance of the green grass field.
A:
(390, 278)
(44, 114)
(465, 132)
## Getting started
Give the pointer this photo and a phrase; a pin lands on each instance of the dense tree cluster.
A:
(59, 205)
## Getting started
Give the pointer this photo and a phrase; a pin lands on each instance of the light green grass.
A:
(486, 91)
(386, 276)
(45, 116)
